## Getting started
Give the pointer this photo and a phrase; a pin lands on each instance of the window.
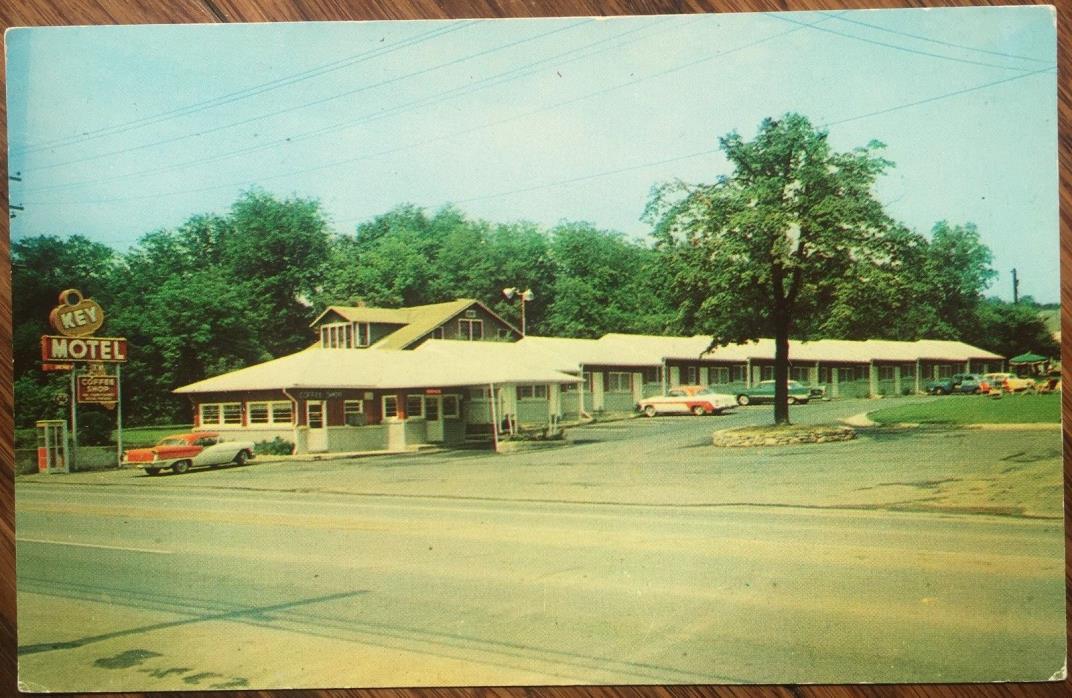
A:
(210, 414)
(431, 409)
(221, 413)
(801, 374)
(653, 374)
(885, 373)
(345, 335)
(766, 373)
(414, 406)
(532, 392)
(478, 394)
(437, 333)
(363, 334)
(618, 382)
(470, 329)
(719, 374)
(450, 405)
(945, 371)
(314, 414)
(206, 441)
(353, 413)
(282, 412)
(269, 412)
(690, 375)
(390, 406)
(258, 413)
(740, 374)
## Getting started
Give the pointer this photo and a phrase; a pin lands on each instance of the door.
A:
(315, 419)
(433, 417)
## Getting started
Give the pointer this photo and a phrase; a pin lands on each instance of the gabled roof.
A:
(390, 316)
(425, 318)
(416, 321)
(318, 368)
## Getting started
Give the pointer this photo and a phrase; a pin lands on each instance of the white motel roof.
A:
(652, 350)
(317, 367)
(455, 363)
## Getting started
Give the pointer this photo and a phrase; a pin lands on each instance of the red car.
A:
(182, 451)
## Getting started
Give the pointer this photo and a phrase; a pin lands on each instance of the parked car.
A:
(764, 392)
(958, 383)
(180, 452)
(1009, 382)
(698, 400)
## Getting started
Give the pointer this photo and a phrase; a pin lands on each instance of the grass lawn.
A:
(135, 437)
(976, 409)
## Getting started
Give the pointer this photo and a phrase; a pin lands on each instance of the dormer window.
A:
(345, 335)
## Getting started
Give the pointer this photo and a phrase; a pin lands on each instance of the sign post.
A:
(74, 422)
(76, 318)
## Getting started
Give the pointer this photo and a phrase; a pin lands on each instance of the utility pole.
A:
(1015, 287)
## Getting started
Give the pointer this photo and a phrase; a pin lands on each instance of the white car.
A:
(685, 401)
(180, 452)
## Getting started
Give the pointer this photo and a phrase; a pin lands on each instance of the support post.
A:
(118, 417)
(74, 420)
(494, 417)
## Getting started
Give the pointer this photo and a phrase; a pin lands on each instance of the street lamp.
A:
(524, 296)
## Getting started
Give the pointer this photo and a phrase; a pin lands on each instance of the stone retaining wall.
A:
(734, 438)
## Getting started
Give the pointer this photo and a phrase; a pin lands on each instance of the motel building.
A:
(392, 379)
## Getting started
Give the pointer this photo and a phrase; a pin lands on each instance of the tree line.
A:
(222, 291)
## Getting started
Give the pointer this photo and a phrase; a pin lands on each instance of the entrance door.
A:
(433, 417)
(315, 411)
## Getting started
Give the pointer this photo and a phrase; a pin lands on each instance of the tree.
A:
(603, 283)
(1011, 329)
(766, 249)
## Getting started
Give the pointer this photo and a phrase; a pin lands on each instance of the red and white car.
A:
(180, 452)
(686, 399)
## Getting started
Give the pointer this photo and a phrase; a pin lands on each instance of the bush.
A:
(276, 447)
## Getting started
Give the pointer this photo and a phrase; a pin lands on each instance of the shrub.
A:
(276, 447)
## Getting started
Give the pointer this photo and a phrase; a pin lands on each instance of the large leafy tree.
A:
(764, 250)
(603, 283)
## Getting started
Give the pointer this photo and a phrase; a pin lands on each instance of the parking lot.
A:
(636, 554)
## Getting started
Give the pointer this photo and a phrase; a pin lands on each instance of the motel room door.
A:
(433, 417)
(316, 420)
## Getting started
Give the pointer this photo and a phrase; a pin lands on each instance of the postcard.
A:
(692, 349)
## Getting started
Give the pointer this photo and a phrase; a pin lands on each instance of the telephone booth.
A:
(52, 446)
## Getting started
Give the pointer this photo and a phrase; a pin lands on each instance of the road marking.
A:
(95, 545)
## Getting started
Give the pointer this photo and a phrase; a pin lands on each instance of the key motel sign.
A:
(76, 318)
(67, 349)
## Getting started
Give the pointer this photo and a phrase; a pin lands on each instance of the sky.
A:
(118, 131)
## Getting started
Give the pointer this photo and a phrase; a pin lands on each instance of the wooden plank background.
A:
(70, 12)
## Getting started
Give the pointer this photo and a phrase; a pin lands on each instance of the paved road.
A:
(585, 565)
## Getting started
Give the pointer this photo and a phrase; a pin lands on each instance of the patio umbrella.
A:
(1027, 358)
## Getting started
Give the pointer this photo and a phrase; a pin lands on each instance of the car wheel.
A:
(650, 410)
(698, 410)
(180, 467)
(153, 471)
(939, 391)
(743, 400)
(241, 458)
(792, 400)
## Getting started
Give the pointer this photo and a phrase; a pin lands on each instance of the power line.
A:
(584, 178)
(499, 122)
(306, 105)
(893, 46)
(939, 42)
(939, 97)
(239, 94)
(606, 173)
(469, 88)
